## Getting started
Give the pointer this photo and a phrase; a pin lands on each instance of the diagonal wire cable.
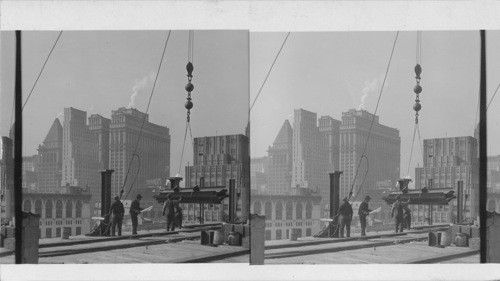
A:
(144, 118)
(41, 70)
(494, 94)
(373, 119)
(270, 69)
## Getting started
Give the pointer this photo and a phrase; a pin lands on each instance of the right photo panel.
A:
(365, 146)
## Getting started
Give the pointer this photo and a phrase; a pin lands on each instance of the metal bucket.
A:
(461, 240)
(445, 238)
(218, 237)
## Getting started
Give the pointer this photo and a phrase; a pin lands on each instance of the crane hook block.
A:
(190, 68)
(418, 70)
(189, 87)
(189, 105)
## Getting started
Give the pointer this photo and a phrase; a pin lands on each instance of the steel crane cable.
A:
(373, 119)
(43, 67)
(189, 88)
(270, 69)
(144, 120)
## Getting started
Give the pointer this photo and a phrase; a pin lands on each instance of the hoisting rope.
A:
(189, 88)
(417, 106)
(363, 155)
(270, 69)
(142, 125)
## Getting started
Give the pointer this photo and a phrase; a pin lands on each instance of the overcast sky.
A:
(99, 71)
(329, 73)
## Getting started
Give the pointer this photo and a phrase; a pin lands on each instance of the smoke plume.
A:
(145, 84)
(369, 88)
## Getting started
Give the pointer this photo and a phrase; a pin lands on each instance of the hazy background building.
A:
(280, 161)
(258, 172)
(80, 158)
(99, 126)
(330, 129)
(50, 155)
(153, 150)
(382, 151)
(217, 159)
(447, 161)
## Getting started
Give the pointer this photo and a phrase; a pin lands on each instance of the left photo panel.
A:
(134, 147)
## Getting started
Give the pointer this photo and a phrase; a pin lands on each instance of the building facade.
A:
(447, 161)
(310, 156)
(218, 159)
(330, 129)
(50, 155)
(299, 209)
(258, 172)
(69, 207)
(280, 162)
(80, 155)
(99, 127)
(383, 151)
(151, 153)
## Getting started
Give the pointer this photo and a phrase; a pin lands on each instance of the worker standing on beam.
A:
(345, 212)
(363, 212)
(135, 210)
(169, 211)
(407, 215)
(118, 211)
(398, 213)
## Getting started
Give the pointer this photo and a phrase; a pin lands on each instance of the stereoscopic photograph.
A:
(135, 146)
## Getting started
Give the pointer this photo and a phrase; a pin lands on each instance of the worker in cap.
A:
(169, 208)
(397, 213)
(135, 210)
(363, 212)
(345, 213)
(117, 212)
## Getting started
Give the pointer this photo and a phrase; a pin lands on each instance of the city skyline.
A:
(332, 72)
(101, 71)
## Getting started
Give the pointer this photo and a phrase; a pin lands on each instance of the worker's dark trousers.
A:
(362, 220)
(399, 223)
(170, 223)
(117, 221)
(408, 222)
(345, 222)
(135, 222)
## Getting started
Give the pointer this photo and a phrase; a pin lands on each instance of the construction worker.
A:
(363, 212)
(397, 213)
(135, 210)
(117, 211)
(345, 212)
(178, 215)
(407, 215)
(169, 211)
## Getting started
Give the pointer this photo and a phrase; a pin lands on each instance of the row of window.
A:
(278, 210)
(27, 207)
(279, 234)
(48, 232)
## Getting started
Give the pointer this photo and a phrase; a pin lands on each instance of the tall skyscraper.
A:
(99, 126)
(447, 161)
(382, 151)
(50, 155)
(152, 159)
(310, 155)
(80, 157)
(217, 159)
(330, 129)
(280, 161)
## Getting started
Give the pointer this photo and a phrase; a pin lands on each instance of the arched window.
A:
(309, 210)
(27, 206)
(289, 210)
(69, 209)
(279, 211)
(268, 211)
(298, 211)
(38, 207)
(48, 209)
(59, 209)
(78, 209)
(257, 208)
